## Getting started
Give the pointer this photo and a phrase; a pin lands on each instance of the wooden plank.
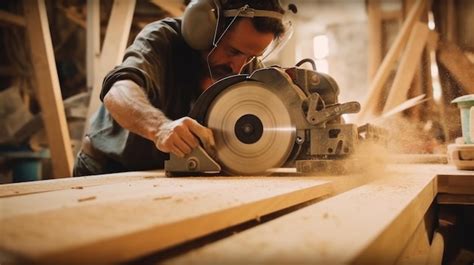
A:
(456, 183)
(409, 63)
(376, 87)
(8, 18)
(418, 247)
(458, 65)
(48, 89)
(375, 36)
(416, 85)
(392, 15)
(15, 189)
(117, 222)
(115, 42)
(436, 251)
(358, 227)
(450, 21)
(76, 18)
(458, 199)
(93, 40)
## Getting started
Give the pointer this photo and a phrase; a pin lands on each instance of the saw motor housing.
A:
(296, 108)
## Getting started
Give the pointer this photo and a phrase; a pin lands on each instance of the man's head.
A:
(245, 39)
(238, 38)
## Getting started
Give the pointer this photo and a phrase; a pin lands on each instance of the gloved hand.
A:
(181, 136)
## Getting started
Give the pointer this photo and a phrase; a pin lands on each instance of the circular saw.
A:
(273, 118)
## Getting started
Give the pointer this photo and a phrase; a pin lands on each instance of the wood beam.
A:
(130, 219)
(375, 36)
(418, 247)
(129, 215)
(24, 188)
(92, 40)
(457, 184)
(409, 64)
(115, 42)
(416, 87)
(8, 18)
(48, 89)
(363, 222)
(369, 108)
(392, 15)
(458, 199)
(457, 64)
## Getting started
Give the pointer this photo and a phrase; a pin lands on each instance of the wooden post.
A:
(450, 21)
(113, 49)
(409, 63)
(375, 36)
(48, 89)
(93, 40)
(417, 87)
(377, 85)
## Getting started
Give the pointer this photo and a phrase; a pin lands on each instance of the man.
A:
(146, 98)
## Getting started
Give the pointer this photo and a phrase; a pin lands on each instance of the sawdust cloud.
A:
(401, 136)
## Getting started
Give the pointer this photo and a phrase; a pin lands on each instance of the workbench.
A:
(382, 216)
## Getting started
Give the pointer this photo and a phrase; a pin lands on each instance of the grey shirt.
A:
(168, 70)
(159, 61)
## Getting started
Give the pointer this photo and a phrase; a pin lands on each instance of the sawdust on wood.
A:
(90, 198)
(162, 198)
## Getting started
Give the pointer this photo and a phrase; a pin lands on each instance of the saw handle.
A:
(315, 117)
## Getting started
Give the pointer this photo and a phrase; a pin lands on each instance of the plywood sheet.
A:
(15, 189)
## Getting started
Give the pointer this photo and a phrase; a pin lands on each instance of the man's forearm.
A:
(130, 107)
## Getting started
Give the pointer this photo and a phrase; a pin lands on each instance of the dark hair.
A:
(261, 24)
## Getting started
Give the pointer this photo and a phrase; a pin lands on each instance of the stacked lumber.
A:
(123, 217)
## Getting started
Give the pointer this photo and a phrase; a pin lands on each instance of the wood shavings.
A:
(90, 198)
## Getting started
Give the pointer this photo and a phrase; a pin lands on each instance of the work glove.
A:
(181, 136)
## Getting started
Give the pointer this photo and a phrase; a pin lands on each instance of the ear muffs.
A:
(199, 23)
(200, 26)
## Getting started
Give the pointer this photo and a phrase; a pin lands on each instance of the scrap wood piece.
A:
(363, 222)
(15, 189)
(125, 222)
(375, 36)
(409, 63)
(48, 88)
(369, 108)
(458, 65)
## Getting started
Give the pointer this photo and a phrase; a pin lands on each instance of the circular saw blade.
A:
(252, 128)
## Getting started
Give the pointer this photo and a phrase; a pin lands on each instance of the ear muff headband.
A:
(202, 19)
(251, 13)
